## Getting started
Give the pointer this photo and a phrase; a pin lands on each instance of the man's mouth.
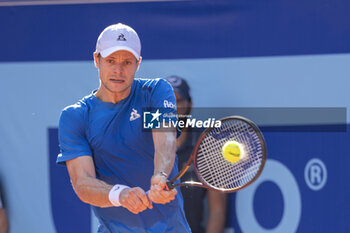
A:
(117, 80)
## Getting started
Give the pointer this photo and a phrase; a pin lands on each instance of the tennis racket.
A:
(214, 169)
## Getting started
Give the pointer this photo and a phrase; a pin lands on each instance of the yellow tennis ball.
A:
(232, 151)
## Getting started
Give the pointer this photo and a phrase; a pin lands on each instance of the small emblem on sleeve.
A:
(168, 104)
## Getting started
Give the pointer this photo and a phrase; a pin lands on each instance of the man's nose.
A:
(118, 68)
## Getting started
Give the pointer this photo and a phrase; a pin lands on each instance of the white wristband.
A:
(114, 194)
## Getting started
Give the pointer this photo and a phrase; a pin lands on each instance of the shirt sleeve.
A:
(72, 134)
(163, 99)
(163, 96)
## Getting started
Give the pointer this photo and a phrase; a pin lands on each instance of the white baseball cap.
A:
(118, 37)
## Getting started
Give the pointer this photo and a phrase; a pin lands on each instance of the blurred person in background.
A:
(4, 224)
(194, 197)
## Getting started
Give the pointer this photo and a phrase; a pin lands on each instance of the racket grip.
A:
(169, 185)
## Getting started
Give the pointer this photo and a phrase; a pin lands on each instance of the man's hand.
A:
(159, 192)
(135, 200)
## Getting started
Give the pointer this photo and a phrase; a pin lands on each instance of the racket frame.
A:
(193, 157)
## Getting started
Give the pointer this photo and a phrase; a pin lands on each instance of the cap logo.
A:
(121, 37)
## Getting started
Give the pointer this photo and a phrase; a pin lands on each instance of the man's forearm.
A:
(165, 146)
(164, 157)
(83, 177)
(98, 193)
(93, 191)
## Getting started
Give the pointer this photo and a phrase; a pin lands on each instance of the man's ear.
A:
(97, 60)
(138, 63)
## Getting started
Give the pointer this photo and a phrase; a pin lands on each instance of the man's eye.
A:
(127, 62)
(110, 61)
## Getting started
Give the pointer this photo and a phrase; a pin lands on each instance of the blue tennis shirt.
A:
(123, 153)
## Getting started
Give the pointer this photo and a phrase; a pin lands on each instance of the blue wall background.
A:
(234, 54)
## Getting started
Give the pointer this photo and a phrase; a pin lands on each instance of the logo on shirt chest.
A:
(134, 115)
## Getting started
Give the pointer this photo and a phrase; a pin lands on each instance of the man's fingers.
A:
(159, 192)
(136, 210)
(168, 194)
(150, 205)
(155, 192)
(140, 199)
(162, 196)
(155, 196)
(135, 200)
(132, 202)
(144, 199)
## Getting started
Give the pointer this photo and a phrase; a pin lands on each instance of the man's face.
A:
(117, 71)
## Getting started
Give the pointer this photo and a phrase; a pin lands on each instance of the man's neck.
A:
(111, 97)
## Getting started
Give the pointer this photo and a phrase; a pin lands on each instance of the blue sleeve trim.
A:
(61, 159)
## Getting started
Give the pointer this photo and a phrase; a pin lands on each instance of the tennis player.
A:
(114, 165)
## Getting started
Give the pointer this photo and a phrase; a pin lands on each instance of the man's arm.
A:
(164, 157)
(96, 192)
(217, 212)
(4, 224)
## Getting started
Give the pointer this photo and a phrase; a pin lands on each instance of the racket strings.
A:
(223, 175)
(219, 172)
